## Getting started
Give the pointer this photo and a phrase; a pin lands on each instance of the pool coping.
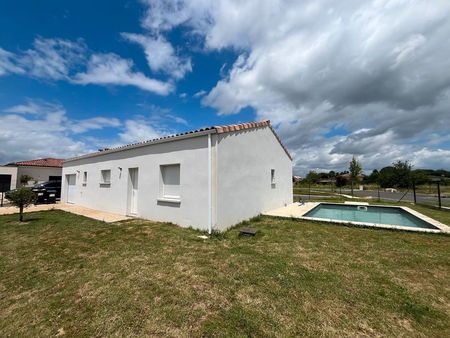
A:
(441, 228)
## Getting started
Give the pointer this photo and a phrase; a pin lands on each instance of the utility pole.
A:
(414, 191)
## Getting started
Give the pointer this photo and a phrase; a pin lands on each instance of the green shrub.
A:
(21, 198)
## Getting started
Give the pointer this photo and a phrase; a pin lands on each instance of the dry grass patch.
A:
(67, 275)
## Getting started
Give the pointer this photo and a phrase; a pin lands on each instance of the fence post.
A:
(439, 194)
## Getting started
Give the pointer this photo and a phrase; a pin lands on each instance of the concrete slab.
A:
(294, 210)
(75, 209)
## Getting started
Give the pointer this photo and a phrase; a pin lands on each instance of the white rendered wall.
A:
(10, 171)
(39, 174)
(243, 185)
(191, 153)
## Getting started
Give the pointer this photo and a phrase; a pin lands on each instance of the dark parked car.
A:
(47, 192)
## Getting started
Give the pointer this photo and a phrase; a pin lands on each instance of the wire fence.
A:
(424, 194)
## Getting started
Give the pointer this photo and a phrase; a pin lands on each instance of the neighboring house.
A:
(296, 179)
(209, 179)
(40, 170)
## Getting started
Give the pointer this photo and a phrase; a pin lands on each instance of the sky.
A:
(337, 79)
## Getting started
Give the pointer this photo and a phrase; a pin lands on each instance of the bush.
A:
(21, 198)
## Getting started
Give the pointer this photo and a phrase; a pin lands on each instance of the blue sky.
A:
(368, 79)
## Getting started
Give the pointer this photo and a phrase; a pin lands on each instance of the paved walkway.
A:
(295, 210)
(75, 209)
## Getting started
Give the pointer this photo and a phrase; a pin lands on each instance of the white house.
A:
(39, 170)
(209, 179)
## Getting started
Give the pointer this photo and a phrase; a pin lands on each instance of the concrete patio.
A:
(294, 210)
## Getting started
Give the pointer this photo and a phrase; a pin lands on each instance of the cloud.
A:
(7, 63)
(160, 54)
(200, 93)
(53, 58)
(30, 107)
(61, 59)
(40, 135)
(316, 66)
(81, 126)
(138, 130)
(111, 69)
(43, 129)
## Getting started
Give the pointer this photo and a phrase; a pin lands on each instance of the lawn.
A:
(66, 275)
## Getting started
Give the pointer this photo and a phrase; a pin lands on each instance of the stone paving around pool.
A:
(294, 210)
(298, 210)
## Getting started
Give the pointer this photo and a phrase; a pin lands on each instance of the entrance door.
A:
(71, 188)
(133, 191)
(5, 182)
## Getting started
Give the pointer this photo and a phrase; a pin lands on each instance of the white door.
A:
(71, 188)
(133, 191)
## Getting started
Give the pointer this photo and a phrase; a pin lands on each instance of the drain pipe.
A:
(209, 185)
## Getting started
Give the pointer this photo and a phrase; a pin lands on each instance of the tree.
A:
(312, 177)
(21, 198)
(373, 177)
(355, 170)
(387, 177)
(24, 179)
(402, 173)
(341, 181)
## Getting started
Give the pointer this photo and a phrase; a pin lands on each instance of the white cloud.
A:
(7, 63)
(111, 69)
(43, 129)
(81, 126)
(60, 59)
(30, 107)
(53, 58)
(200, 93)
(313, 66)
(137, 131)
(161, 55)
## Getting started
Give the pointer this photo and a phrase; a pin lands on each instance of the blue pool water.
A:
(369, 214)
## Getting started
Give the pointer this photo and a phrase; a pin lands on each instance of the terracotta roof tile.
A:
(41, 162)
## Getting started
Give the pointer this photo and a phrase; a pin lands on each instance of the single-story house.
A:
(208, 179)
(39, 170)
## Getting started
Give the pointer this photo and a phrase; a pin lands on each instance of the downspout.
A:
(209, 185)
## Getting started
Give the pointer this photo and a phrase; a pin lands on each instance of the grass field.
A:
(66, 275)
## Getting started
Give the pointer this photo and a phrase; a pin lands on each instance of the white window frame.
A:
(273, 180)
(164, 196)
(85, 178)
(104, 182)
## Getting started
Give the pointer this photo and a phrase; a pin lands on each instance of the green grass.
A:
(64, 273)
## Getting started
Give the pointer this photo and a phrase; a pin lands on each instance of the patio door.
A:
(71, 188)
(133, 183)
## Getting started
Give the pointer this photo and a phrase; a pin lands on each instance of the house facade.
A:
(38, 170)
(208, 179)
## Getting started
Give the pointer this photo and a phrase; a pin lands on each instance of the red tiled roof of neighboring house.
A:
(214, 129)
(41, 162)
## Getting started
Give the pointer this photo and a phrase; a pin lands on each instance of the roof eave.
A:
(143, 144)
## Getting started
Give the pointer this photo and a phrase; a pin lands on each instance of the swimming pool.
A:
(369, 215)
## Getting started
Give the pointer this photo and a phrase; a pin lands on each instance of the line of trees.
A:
(398, 175)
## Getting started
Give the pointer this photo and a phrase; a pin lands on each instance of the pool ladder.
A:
(362, 208)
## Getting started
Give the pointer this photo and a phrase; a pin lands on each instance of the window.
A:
(272, 177)
(106, 177)
(170, 182)
(84, 177)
